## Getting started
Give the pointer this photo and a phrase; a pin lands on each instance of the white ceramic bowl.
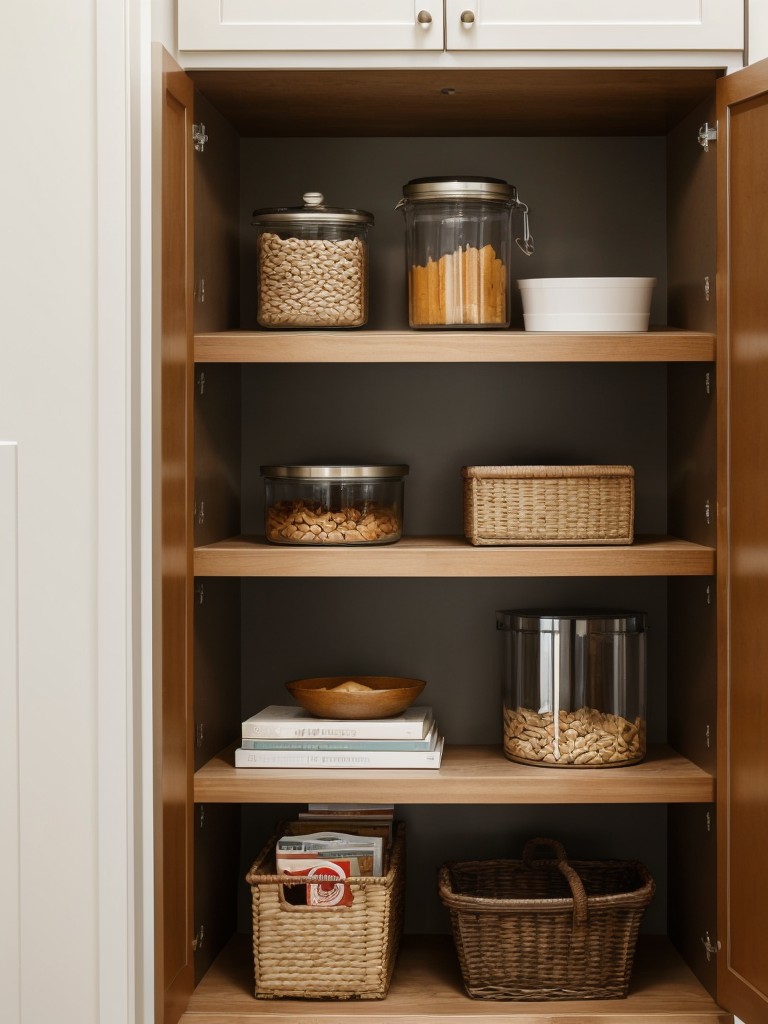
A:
(587, 303)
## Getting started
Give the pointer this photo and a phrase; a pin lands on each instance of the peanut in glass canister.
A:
(574, 688)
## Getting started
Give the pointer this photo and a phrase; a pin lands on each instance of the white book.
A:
(305, 743)
(339, 758)
(294, 722)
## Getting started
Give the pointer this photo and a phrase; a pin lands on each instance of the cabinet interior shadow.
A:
(437, 418)
(443, 631)
(435, 835)
(597, 205)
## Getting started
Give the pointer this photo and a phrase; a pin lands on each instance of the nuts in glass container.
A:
(343, 504)
(312, 265)
(311, 281)
(585, 737)
(295, 522)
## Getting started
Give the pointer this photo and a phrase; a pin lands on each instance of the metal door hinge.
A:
(707, 944)
(199, 735)
(198, 939)
(198, 513)
(199, 137)
(707, 134)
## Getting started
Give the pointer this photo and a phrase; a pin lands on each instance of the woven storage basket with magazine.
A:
(326, 952)
(545, 928)
(549, 504)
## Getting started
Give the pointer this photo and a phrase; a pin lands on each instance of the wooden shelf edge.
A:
(453, 556)
(363, 346)
(427, 988)
(468, 775)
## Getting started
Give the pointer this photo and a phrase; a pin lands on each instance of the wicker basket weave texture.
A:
(549, 504)
(339, 952)
(516, 931)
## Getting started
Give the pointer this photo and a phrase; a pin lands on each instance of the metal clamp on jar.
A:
(312, 265)
(458, 244)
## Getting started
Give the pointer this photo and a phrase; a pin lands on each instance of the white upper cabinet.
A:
(594, 24)
(460, 25)
(311, 25)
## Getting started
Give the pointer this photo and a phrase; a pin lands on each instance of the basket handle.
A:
(580, 912)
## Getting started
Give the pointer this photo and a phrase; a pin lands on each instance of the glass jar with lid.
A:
(574, 688)
(458, 240)
(312, 265)
(334, 505)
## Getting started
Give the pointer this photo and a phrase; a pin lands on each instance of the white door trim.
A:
(122, 879)
(10, 877)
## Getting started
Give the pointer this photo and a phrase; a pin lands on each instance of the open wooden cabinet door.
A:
(742, 104)
(173, 370)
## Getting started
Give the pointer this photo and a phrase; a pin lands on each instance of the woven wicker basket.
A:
(338, 952)
(545, 928)
(549, 504)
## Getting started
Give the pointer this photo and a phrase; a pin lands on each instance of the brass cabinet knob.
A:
(467, 17)
(424, 18)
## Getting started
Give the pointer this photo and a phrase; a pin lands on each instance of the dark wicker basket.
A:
(545, 928)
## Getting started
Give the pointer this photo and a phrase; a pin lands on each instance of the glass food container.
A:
(334, 504)
(574, 688)
(458, 234)
(312, 265)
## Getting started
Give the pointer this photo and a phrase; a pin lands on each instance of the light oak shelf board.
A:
(467, 775)
(659, 345)
(427, 989)
(452, 556)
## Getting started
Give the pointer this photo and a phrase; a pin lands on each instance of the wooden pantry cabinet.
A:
(460, 25)
(683, 404)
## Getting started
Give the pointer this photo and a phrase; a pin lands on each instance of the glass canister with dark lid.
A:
(574, 687)
(458, 240)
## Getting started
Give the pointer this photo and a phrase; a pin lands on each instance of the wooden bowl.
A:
(388, 696)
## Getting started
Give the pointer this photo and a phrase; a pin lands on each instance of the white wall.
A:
(757, 30)
(65, 668)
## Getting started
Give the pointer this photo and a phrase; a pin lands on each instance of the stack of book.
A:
(289, 737)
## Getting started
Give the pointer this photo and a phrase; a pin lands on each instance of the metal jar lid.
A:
(334, 472)
(598, 621)
(461, 187)
(314, 210)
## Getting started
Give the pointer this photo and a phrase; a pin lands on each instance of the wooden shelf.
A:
(427, 989)
(468, 775)
(452, 556)
(363, 346)
(411, 101)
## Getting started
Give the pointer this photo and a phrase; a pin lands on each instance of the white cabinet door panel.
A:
(310, 24)
(594, 24)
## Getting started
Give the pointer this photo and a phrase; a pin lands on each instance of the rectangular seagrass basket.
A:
(541, 929)
(549, 504)
(334, 952)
